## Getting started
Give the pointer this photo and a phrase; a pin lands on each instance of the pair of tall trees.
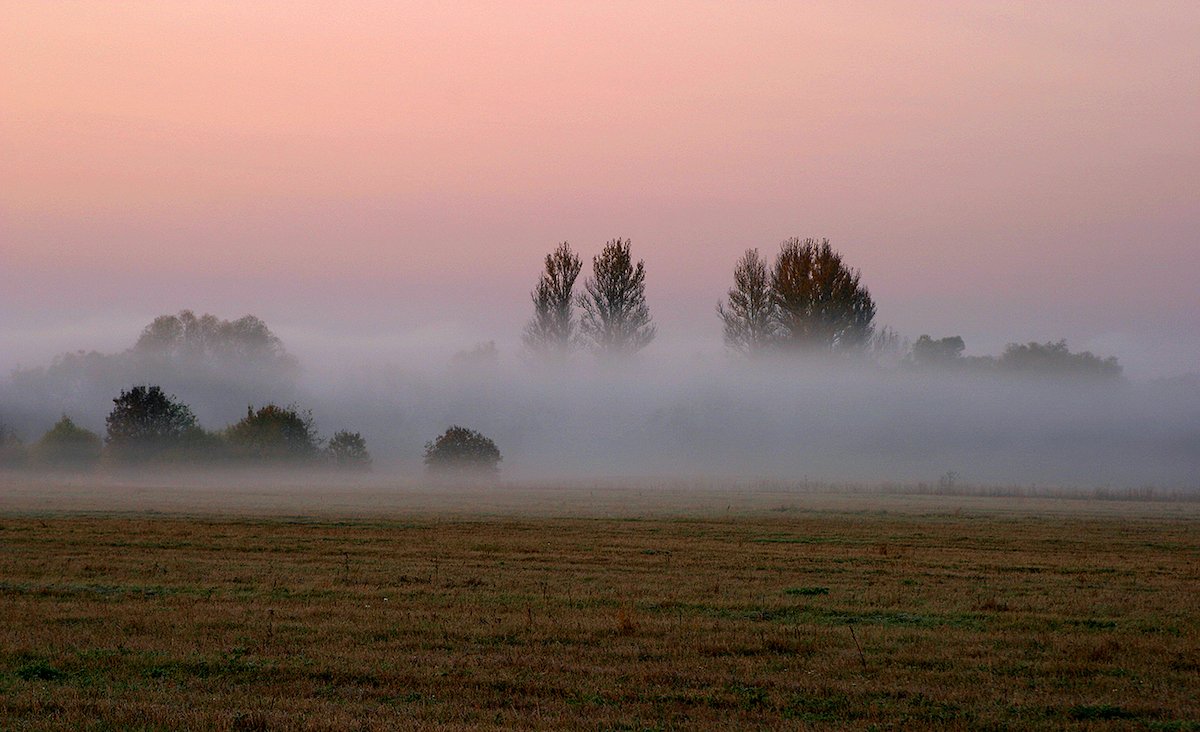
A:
(809, 300)
(616, 320)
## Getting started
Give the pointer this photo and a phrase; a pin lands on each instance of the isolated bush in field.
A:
(274, 433)
(349, 450)
(146, 423)
(459, 449)
(12, 450)
(68, 445)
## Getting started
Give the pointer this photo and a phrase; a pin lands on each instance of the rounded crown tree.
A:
(822, 304)
(67, 445)
(145, 422)
(349, 450)
(274, 433)
(462, 450)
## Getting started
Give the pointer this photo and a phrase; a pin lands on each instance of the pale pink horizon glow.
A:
(1007, 171)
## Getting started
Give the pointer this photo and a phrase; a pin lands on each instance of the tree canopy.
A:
(145, 422)
(750, 314)
(1055, 359)
(822, 304)
(209, 338)
(349, 450)
(551, 331)
(274, 433)
(462, 450)
(616, 319)
(68, 445)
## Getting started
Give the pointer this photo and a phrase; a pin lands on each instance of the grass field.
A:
(610, 608)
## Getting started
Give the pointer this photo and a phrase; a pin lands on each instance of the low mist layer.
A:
(667, 414)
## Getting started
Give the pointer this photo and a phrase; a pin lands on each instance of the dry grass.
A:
(971, 614)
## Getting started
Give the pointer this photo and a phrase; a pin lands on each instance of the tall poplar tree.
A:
(749, 313)
(616, 319)
(551, 331)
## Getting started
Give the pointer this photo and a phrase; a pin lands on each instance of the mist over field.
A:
(694, 415)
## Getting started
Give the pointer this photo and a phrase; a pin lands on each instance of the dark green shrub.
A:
(66, 445)
(274, 433)
(461, 450)
(12, 450)
(349, 450)
(145, 424)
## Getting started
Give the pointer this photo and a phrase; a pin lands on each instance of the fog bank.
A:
(696, 416)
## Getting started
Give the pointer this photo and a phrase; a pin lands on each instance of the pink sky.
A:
(1002, 171)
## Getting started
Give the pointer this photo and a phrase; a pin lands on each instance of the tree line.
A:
(147, 427)
(807, 301)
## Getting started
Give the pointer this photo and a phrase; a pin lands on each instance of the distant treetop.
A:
(186, 337)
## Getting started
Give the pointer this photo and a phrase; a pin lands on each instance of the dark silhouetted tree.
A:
(616, 319)
(750, 314)
(349, 450)
(146, 423)
(274, 433)
(551, 332)
(67, 445)
(461, 450)
(822, 304)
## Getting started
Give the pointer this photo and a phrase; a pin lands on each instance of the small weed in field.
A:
(38, 669)
(626, 622)
(1089, 712)
(251, 722)
(810, 707)
(1106, 651)
(993, 605)
(806, 591)
(749, 697)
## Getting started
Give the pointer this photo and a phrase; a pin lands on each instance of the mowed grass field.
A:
(703, 609)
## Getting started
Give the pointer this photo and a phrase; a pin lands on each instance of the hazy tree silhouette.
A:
(822, 305)
(551, 332)
(190, 339)
(218, 365)
(1055, 359)
(462, 450)
(274, 433)
(67, 445)
(481, 357)
(940, 352)
(145, 423)
(750, 314)
(349, 450)
(616, 319)
(12, 449)
(886, 347)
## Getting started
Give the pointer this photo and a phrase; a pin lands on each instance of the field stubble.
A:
(792, 611)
